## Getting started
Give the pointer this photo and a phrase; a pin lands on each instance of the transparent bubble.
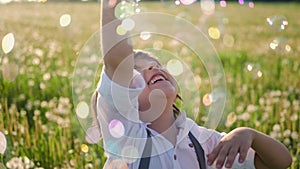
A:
(82, 110)
(8, 43)
(124, 9)
(84, 148)
(254, 70)
(175, 67)
(277, 23)
(187, 2)
(116, 128)
(208, 7)
(65, 20)
(10, 71)
(130, 154)
(118, 164)
(280, 45)
(3, 143)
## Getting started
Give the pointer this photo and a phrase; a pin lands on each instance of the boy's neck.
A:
(165, 125)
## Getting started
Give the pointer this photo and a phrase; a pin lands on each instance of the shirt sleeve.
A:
(117, 112)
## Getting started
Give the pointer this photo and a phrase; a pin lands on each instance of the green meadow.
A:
(261, 62)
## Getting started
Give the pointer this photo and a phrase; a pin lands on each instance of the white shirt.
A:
(124, 135)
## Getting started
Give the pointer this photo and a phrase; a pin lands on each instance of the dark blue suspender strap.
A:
(199, 151)
(145, 160)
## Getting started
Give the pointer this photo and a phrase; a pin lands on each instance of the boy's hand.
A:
(237, 141)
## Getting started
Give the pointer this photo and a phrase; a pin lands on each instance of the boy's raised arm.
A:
(117, 52)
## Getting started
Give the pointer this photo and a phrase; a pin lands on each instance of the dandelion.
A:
(287, 141)
(46, 76)
(294, 117)
(251, 108)
(287, 133)
(294, 135)
(276, 128)
(231, 118)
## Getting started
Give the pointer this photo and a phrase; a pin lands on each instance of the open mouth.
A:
(156, 78)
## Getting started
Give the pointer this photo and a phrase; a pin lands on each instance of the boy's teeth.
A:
(157, 78)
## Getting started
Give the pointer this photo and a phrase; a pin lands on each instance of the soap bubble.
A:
(277, 23)
(280, 45)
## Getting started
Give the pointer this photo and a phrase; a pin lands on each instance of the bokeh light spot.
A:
(10, 71)
(214, 33)
(130, 154)
(84, 148)
(65, 20)
(3, 143)
(124, 9)
(241, 2)
(145, 35)
(128, 24)
(93, 135)
(251, 4)
(175, 67)
(249, 67)
(120, 30)
(228, 40)
(207, 99)
(259, 73)
(187, 2)
(208, 6)
(118, 164)
(8, 43)
(82, 110)
(116, 128)
(5, 1)
(158, 45)
(223, 3)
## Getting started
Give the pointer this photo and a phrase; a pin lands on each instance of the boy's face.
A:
(160, 91)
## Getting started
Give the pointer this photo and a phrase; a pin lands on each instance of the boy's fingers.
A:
(243, 155)
(231, 157)
(222, 156)
(213, 155)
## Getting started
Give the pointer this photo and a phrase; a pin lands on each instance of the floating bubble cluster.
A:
(278, 25)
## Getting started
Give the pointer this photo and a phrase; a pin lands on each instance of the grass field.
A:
(37, 117)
